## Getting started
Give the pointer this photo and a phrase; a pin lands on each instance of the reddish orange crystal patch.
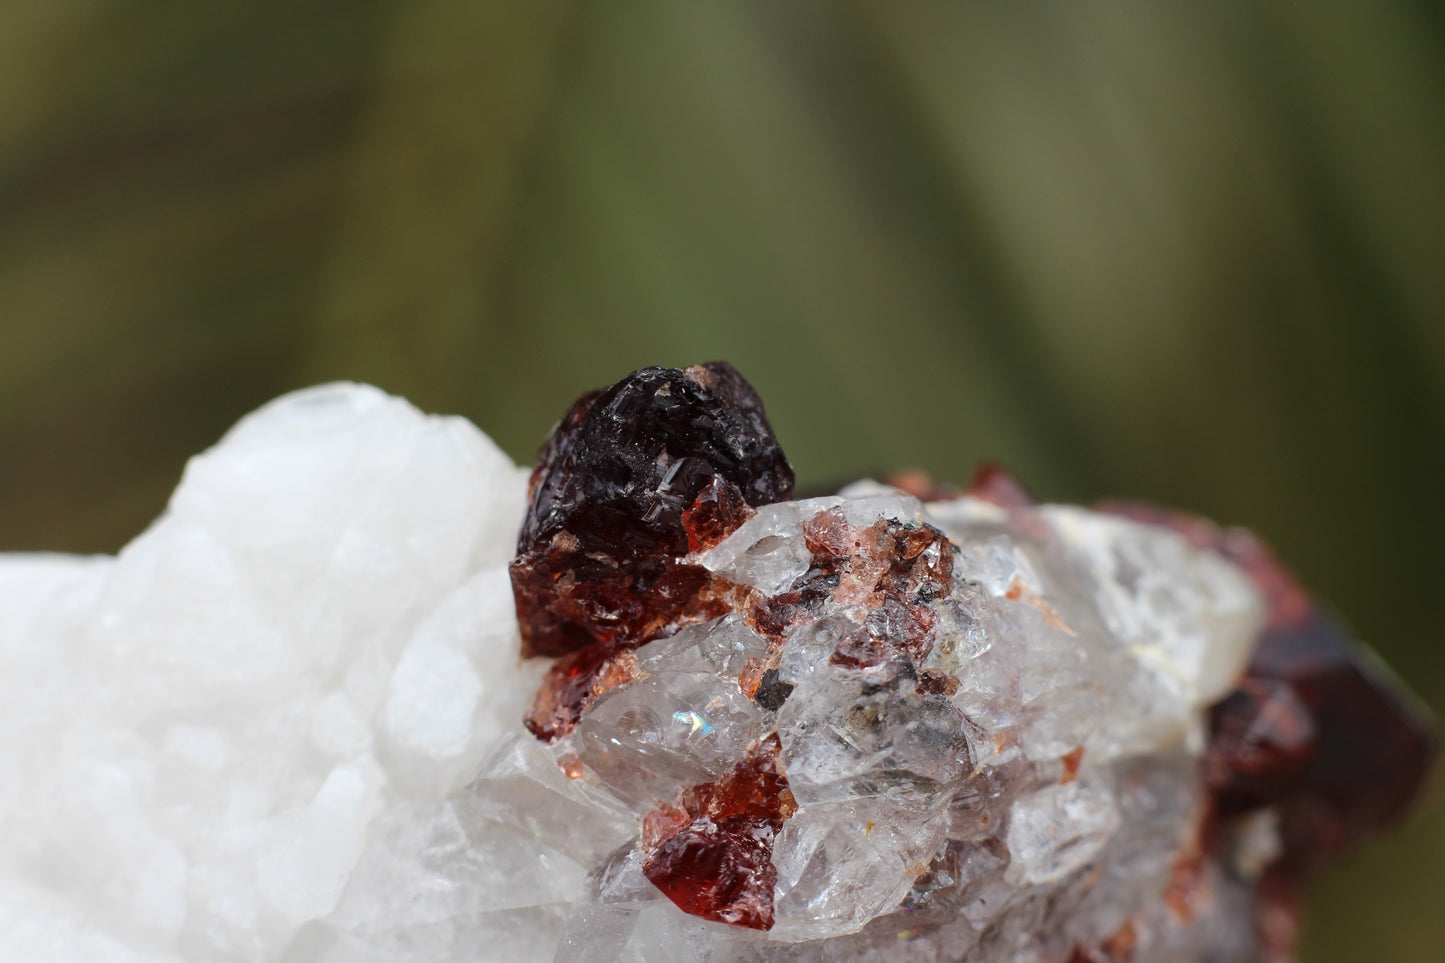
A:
(568, 689)
(712, 854)
(714, 514)
(995, 484)
(1072, 760)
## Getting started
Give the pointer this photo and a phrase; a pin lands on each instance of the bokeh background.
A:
(1187, 252)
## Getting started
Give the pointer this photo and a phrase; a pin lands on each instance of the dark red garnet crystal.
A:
(666, 462)
(712, 854)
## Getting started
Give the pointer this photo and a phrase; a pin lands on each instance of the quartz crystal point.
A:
(907, 723)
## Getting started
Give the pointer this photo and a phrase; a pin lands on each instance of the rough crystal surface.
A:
(243, 737)
(634, 477)
(290, 722)
(936, 687)
(904, 723)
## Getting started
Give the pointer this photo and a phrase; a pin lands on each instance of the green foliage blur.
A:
(1191, 253)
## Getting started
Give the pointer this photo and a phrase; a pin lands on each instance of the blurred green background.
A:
(1191, 253)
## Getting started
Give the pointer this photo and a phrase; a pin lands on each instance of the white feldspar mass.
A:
(285, 724)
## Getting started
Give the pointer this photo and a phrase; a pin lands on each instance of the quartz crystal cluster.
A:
(894, 724)
(366, 694)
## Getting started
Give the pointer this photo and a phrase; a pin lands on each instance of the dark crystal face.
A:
(664, 462)
(634, 478)
(1370, 751)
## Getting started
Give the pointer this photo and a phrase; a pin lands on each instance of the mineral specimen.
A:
(956, 726)
(635, 478)
(905, 722)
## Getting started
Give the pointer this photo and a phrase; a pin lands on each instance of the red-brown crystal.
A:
(599, 557)
(1118, 948)
(1072, 760)
(921, 486)
(714, 514)
(1312, 728)
(1261, 748)
(991, 483)
(891, 571)
(664, 463)
(1372, 749)
(994, 483)
(888, 573)
(712, 853)
(936, 682)
(572, 683)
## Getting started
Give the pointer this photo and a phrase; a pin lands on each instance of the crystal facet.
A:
(898, 722)
(901, 722)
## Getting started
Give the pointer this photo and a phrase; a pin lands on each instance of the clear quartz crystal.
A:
(1042, 753)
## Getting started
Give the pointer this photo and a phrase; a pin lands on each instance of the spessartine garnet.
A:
(633, 479)
(1119, 733)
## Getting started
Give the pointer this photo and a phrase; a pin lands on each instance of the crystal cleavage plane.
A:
(900, 723)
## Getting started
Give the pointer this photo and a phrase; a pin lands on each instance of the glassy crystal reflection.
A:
(902, 723)
(981, 729)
